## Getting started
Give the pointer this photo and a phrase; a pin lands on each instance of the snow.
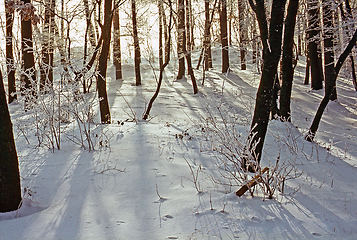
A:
(140, 186)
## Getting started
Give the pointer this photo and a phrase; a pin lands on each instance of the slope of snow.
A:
(140, 185)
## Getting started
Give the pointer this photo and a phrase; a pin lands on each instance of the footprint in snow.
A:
(167, 217)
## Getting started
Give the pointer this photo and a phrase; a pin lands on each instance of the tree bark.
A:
(328, 48)
(313, 32)
(188, 50)
(271, 40)
(167, 60)
(287, 68)
(117, 47)
(207, 38)
(46, 69)
(10, 55)
(137, 55)
(315, 123)
(161, 55)
(224, 36)
(10, 188)
(103, 64)
(181, 39)
(28, 76)
(243, 34)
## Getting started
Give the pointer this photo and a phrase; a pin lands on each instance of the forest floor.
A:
(138, 183)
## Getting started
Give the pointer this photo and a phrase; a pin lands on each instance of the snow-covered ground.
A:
(140, 185)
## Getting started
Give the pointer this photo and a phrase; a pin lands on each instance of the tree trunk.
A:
(207, 38)
(314, 56)
(46, 69)
(188, 51)
(345, 17)
(137, 56)
(10, 188)
(287, 61)
(28, 76)
(167, 60)
(116, 46)
(243, 33)
(315, 123)
(9, 54)
(224, 36)
(181, 38)
(103, 63)
(328, 48)
(271, 40)
(161, 55)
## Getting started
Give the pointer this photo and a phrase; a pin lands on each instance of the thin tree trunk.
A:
(188, 51)
(307, 71)
(161, 55)
(10, 188)
(116, 46)
(28, 76)
(92, 39)
(350, 17)
(137, 56)
(224, 36)
(103, 63)
(315, 123)
(243, 34)
(328, 48)
(287, 68)
(207, 38)
(46, 69)
(9, 54)
(181, 38)
(167, 60)
(314, 56)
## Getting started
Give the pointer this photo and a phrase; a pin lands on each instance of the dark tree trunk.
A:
(10, 188)
(354, 79)
(161, 55)
(103, 63)
(137, 56)
(181, 38)
(117, 47)
(167, 60)
(188, 51)
(207, 38)
(271, 40)
(328, 48)
(91, 33)
(287, 68)
(46, 69)
(9, 54)
(29, 76)
(243, 34)
(347, 17)
(307, 71)
(315, 123)
(224, 36)
(314, 56)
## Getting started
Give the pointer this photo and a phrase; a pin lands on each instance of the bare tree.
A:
(29, 74)
(287, 68)
(103, 63)
(271, 39)
(137, 56)
(313, 33)
(116, 46)
(224, 36)
(337, 67)
(162, 68)
(9, 52)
